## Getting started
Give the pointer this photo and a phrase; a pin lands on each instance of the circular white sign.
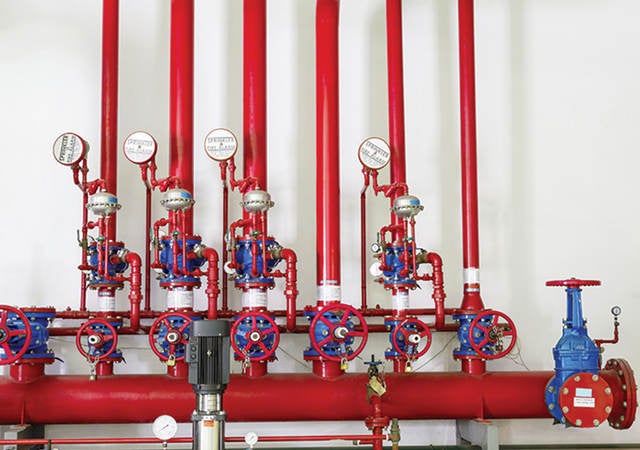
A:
(220, 144)
(69, 149)
(374, 153)
(140, 147)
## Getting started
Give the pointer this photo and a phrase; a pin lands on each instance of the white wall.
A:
(557, 103)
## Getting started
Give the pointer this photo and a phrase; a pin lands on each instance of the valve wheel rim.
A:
(110, 336)
(493, 330)
(268, 351)
(348, 312)
(5, 310)
(154, 331)
(405, 332)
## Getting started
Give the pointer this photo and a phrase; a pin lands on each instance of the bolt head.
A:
(607, 409)
(578, 422)
(596, 422)
(565, 391)
(565, 409)
(576, 378)
(595, 378)
(607, 391)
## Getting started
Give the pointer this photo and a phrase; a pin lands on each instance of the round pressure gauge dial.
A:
(69, 149)
(165, 427)
(616, 310)
(251, 439)
(140, 147)
(220, 144)
(374, 153)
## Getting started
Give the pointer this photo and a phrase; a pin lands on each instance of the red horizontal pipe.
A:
(327, 145)
(131, 440)
(409, 396)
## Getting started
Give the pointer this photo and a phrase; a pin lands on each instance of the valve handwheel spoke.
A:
(492, 334)
(262, 349)
(107, 335)
(164, 349)
(13, 328)
(349, 318)
(407, 328)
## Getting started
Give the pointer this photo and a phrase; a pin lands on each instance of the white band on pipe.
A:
(400, 301)
(254, 298)
(179, 299)
(106, 302)
(329, 293)
(471, 275)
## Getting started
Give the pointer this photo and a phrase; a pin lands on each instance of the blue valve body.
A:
(465, 349)
(244, 261)
(575, 352)
(113, 269)
(38, 345)
(172, 275)
(391, 325)
(393, 258)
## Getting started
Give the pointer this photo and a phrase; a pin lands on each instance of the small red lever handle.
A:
(573, 283)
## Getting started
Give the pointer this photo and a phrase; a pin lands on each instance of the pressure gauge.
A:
(165, 427)
(374, 153)
(220, 144)
(616, 311)
(251, 439)
(69, 149)
(140, 147)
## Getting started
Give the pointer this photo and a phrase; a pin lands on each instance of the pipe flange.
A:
(619, 375)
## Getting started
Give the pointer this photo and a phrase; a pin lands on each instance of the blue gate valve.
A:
(576, 389)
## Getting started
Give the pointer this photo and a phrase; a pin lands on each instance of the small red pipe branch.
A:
(181, 99)
(135, 293)
(109, 116)
(471, 301)
(212, 290)
(291, 288)
(419, 396)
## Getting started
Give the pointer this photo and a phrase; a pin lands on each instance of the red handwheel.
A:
(333, 332)
(260, 341)
(487, 334)
(101, 340)
(168, 332)
(412, 338)
(18, 328)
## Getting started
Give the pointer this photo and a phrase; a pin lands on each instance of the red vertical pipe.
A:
(471, 259)
(327, 148)
(181, 99)
(255, 91)
(109, 125)
(396, 92)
